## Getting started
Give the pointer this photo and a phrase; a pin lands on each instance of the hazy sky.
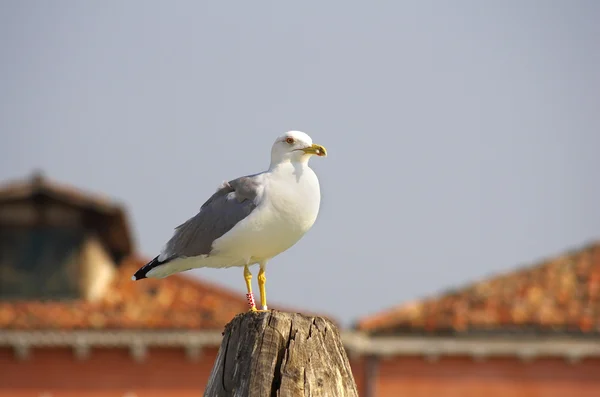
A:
(463, 136)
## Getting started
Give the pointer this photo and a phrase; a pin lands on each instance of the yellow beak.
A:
(316, 149)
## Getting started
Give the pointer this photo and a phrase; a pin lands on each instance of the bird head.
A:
(295, 146)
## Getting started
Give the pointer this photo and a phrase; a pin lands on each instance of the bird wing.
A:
(229, 205)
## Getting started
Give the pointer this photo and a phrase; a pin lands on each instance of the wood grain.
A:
(281, 354)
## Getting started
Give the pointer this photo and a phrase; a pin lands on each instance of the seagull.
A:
(248, 220)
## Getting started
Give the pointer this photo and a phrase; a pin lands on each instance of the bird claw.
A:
(255, 310)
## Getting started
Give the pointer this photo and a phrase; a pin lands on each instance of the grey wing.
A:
(230, 204)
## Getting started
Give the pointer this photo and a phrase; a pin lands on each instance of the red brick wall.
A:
(358, 371)
(463, 377)
(107, 373)
(167, 372)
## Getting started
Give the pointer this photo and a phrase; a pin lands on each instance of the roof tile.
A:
(174, 302)
(559, 295)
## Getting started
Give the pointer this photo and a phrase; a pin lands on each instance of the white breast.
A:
(289, 208)
(295, 196)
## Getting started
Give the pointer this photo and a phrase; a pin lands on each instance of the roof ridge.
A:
(376, 320)
(522, 268)
(227, 292)
(232, 293)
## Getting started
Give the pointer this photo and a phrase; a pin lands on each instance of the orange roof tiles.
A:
(175, 302)
(560, 295)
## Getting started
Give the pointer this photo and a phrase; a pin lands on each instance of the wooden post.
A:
(274, 353)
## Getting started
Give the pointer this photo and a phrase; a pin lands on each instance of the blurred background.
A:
(459, 195)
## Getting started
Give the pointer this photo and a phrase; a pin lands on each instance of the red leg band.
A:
(250, 298)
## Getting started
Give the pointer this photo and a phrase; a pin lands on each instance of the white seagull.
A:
(250, 219)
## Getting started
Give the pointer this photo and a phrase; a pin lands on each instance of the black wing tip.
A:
(143, 271)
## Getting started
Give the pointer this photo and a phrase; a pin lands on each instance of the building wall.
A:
(464, 377)
(106, 373)
(168, 372)
(358, 371)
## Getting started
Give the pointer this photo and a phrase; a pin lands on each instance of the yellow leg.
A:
(262, 281)
(249, 296)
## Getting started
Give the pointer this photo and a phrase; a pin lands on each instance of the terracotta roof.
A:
(117, 233)
(175, 302)
(560, 295)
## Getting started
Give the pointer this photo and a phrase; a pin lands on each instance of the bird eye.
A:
(289, 140)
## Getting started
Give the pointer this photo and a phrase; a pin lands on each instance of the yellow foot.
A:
(255, 310)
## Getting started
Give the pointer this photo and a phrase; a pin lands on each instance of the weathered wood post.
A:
(281, 354)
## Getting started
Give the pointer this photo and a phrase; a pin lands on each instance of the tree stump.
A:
(273, 353)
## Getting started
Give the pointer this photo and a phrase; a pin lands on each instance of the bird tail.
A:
(143, 271)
